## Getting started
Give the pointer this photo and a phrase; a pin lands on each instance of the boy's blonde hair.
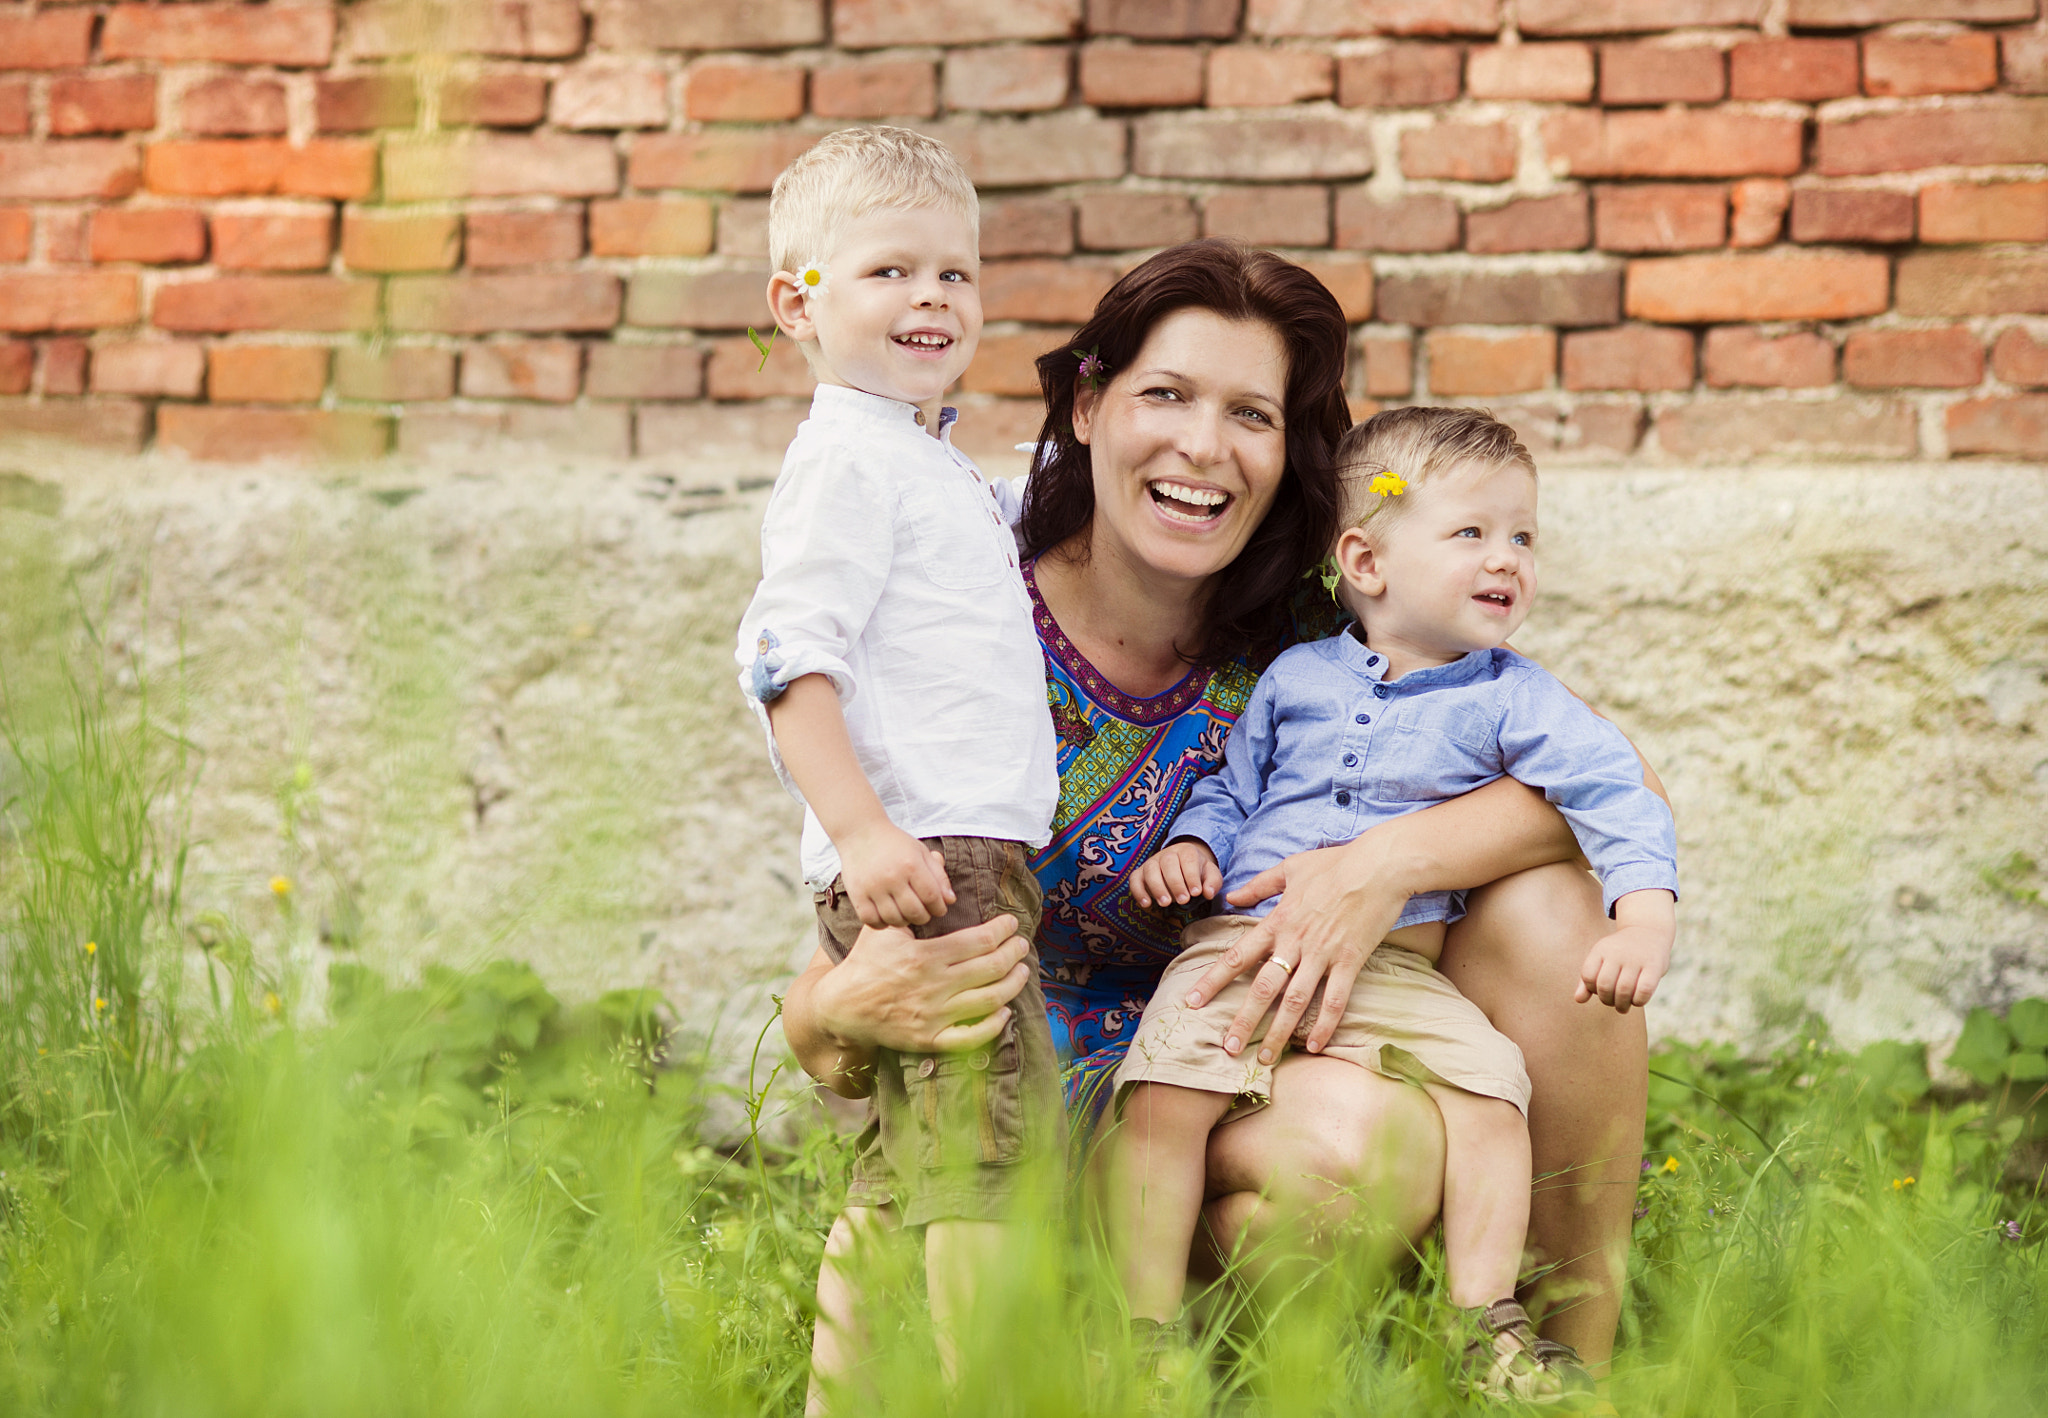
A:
(1416, 444)
(853, 172)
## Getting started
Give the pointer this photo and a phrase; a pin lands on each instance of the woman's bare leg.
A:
(1517, 955)
(841, 1340)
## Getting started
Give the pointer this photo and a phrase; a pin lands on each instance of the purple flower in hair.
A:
(1093, 372)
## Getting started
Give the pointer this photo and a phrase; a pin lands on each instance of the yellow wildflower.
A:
(271, 1003)
(92, 947)
(1899, 1184)
(280, 887)
(1387, 485)
(98, 1004)
(1670, 1164)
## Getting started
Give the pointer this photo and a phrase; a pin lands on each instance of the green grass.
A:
(228, 1187)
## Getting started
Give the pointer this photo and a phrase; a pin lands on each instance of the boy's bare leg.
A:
(841, 1340)
(1157, 1180)
(959, 1255)
(1486, 1194)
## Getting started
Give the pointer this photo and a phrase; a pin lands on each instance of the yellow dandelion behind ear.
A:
(1670, 1165)
(812, 279)
(1388, 485)
(280, 887)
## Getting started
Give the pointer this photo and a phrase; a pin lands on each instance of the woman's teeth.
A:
(1188, 504)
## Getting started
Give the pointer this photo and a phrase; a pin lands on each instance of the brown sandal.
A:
(1507, 1362)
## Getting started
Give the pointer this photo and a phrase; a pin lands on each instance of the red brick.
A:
(1389, 362)
(1039, 151)
(1400, 76)
(1007, 363)
(546, 370)
(1901, 67)
(228, 303)
(87, 300)
(379, 241)
(718, 159)
(1564, 298)
(65, 240)
(115, 424)
(174, 369)
(155, 236)
(875, 24)
(394, 375)
(1719, 430)
(1628, 357)
(1114, 219)
(1165, 19)
(45, 38)
(2018, 358)
(1468, 362)
(14, 109)
(113, 103)
(644, 371)
(743, 228)
(1757, 210)
(734, 371)
(272, 241)
(1338, 18)
(17, 230)
(1922, 359)
(1698, 290)
(1560, 73)
(1847, 14)
(707, 298)
(1253, 76)
(495, 166)
(1140, 76)
(1657, 73)
(1805, 70)
(1270, 216)
(1823, 214)
(610, 96)
(1532, 224)
(650, 226)
(287, 35)
(716, 91)
(1348, 278)
(229, 435)
(335, 167)
(1257, 146)
(1023, 226)
(1460, 152)
(1421, 221)
(64, 365)
(1973, 212)
(875, 88)
(1602, 429)
(498, 98)
(1007, 78)
(1737, 355)
(2023, 60)
(1045, 291)
(233, 105)
(79, 167)
(2011, 428)
(1633, 16)
(360, 103)
(1973, 283)
(1711, 143)
(1986, 132)
(266, 374)
(523, 238)
(526, 29)
(663, 24)
(1660, 217)
(530, 301)
(17, 366)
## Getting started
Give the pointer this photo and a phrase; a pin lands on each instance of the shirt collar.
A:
(1369, 663)
(836, 404)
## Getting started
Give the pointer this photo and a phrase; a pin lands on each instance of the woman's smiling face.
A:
(1187, 446)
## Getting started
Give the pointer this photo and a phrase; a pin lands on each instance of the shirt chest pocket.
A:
(1432, 755)
(956, 527)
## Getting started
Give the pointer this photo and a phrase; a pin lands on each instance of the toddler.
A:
(1417, 701)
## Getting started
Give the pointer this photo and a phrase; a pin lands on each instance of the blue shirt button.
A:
(1365, 718)
(1343, 799)
(1350, 760)
(1379, 691)
(1372, 661)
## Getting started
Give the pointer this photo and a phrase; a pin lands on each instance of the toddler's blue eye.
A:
(1468, 531)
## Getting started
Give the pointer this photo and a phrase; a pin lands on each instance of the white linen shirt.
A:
(888, 564)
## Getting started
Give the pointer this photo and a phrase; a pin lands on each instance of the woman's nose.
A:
(1202, 439)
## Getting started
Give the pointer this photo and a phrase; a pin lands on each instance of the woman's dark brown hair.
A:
(1248, 606)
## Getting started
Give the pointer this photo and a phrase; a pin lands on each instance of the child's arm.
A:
(1623, 969)
(1178, 872)
(894, 879)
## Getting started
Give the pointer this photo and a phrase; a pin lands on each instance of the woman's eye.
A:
(1162, 394)
(1260, 414)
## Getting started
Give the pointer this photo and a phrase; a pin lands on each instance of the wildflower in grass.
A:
(1647, 1165)
(1670, 1164)
(2011, 1231)
(98, 1004)
(281, 887)
(271, 1003)
(92, 947)
(1899, 1184)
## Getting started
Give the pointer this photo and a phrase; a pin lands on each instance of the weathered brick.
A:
(2023, 60)
(289, 36)
(1985, 132)
(155, 236)
(1563, 298)
(1805, 70)
(875, 88)
(668, 371)
(1254, 76)
(1855, 14)
(1560, 73)
(523, 238)
(172, 369)
(1140, 75)
(723, 91)
(361, 103)
(93, 103)
(1165, 19)
(266, 374)
(15, 116)
(380, 241)
(1699, 290)
(1270, 216)
(1007, 363)
(1038, 151)
(17, 230)
(1659, 73)
(1721, 430)
(519, 29)
(743, 228)
(1275, 148)
(2017, 357)
(1474, 362)
(1050, 292)
(1400, 76)
(84, 300)
(1459, 152)
(1821, 214)
(1973, 283)
(1007, 78)
(651, 226)
(228, 303)
(1338, 18)
(1633, 16)
(1024, 226)
(609, 96)
(734, 371)
(535, 302)
(876, 24)
(79, 167)
(1757, 210)
(545, 370)
(1951, 358)
(1348, 278)
(45, 38)
(1533, 224)
(64, 366)
(495, 166)
(495, 98)
(708, 298)
(1660, 217)
(1973, 212)
(1389, 362)
(2010, 428)
(1711, 143)
(1113, 219)
(118, 425)
(718, 159)
(231, 435)
(1628, 357)
(1898, 66)
(663, 24)
(1737, 355)
(1602, 428)
(233, 105)
(1421, 221)
(17, 367)
(341, 168)
(399, 374)
(65, 240)
(272, 241)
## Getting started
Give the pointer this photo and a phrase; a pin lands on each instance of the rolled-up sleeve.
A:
(1218, 805)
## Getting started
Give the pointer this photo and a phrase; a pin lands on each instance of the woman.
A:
(1185, 486)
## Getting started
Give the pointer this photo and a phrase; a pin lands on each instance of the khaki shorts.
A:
(1404, 1020)
(963, 1135)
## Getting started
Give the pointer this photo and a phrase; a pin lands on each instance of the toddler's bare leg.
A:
(840, 1340)
(958, 1256)
(1157, 1169)
(1486, 1194)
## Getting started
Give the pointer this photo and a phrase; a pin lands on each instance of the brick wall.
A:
(1694, 229)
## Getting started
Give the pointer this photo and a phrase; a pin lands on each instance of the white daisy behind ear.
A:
(812, 278)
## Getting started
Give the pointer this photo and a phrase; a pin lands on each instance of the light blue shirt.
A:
(1326, 749)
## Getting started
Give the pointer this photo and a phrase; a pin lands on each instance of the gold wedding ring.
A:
(1288, 966)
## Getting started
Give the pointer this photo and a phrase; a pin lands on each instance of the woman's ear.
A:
(1358, 563)
(791, 311)
(1085, 396)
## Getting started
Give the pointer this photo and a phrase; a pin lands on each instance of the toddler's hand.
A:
(893, 879)
(1177, 874)
(1623, 969)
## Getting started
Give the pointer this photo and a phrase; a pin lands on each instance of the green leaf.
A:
(2028, 1021)
(1981, 1050)
(1894, 1069)
(2027, 1067)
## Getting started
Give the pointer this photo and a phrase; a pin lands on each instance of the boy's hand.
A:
(1624, 969)
(1177, 874)
(893, 879)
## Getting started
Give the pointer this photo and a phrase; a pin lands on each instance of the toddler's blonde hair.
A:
(1416, 444)
(853, 172)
